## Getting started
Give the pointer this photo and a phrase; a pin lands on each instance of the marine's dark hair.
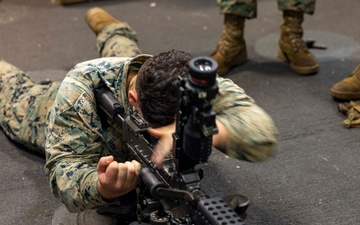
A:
(157, 85)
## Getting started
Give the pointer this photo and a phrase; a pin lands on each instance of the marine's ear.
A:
(133, 99)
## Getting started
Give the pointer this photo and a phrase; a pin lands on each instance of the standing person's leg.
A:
(231, 48)
(114, 38)
(292, 48)
(23, 106)
(304, 6)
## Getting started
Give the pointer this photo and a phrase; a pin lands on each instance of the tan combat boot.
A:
(348, 88)
(98, 18)
(231, 48)
(292, 49)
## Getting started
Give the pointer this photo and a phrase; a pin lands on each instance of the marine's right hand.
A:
(116, 179)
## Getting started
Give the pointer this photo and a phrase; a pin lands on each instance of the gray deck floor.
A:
(314, 179)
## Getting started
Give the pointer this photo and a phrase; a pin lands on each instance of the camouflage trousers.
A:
(24, 104)
(248, 8)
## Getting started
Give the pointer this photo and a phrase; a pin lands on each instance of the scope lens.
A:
(203, 65)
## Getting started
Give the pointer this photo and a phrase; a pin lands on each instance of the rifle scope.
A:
(200, 89)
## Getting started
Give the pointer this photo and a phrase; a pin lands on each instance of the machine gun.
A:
(176, 184)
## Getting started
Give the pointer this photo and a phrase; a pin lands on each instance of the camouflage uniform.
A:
(75, 139)
(248, 8)
(23, 106)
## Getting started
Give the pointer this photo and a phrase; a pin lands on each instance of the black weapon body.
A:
(176, 184)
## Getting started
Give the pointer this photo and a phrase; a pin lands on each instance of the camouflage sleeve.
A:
(73, 147)
(74, 142)
(253, 135)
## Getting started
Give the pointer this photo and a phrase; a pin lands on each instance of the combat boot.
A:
(348, 88)
(98, 18)
(231, 48)
(292, 48)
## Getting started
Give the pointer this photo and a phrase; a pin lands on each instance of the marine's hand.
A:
(116, 179)
(164, 144)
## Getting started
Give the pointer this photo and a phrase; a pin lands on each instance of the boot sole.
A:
(309, 70)
(344, 95)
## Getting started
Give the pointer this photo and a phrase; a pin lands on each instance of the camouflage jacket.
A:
(75, 138)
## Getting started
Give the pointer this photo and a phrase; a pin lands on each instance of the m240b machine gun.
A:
(176, 184)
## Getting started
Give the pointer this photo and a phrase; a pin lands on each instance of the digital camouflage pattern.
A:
(117, 40)
(248, 8)
(23, 106)
(306, 6)
(75, 138)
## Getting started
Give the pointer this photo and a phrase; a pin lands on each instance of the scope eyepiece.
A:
(203, 71)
